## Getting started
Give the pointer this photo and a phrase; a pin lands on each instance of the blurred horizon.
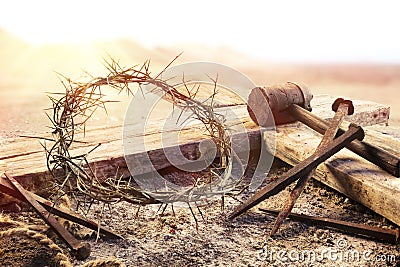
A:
(308, 31)
(25, 65)
(336, 48)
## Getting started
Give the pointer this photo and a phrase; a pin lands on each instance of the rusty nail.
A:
(388, 235)
(342, 108)
(80, 249)
(301, 169)
(6, 187)
(388, 162)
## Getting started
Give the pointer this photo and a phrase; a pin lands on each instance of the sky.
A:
(297, 31)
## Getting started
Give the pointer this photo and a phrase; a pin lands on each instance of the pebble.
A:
(168, 237)
(323, 193)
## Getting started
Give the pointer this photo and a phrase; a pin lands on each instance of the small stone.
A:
(323, 193)
(370, 222)
(167, 237)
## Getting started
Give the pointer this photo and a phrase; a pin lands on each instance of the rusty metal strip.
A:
(81, 249)
(7, 188)
(387, 235)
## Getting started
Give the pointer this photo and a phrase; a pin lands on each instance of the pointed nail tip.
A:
(232, 216)
(272, 233)
(275, 228)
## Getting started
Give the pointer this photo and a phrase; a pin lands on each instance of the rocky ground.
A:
(153, 238)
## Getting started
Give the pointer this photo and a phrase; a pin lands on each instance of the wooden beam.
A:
(345, 172)
(24, 158)
(366, 113)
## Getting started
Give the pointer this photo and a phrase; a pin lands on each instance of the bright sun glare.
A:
(279, 30)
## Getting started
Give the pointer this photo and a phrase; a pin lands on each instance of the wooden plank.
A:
(25, 159)
(345, 172)
(366, 112)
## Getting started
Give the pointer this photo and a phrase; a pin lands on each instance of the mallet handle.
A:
(381, 158)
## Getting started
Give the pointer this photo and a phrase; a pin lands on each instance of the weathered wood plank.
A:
(366, 112)
(346, 172)
(25, 159)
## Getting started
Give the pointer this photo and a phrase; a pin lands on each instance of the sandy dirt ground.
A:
(174, 240)
(156, 239)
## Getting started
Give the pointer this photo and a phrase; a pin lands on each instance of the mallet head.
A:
(267, 105)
